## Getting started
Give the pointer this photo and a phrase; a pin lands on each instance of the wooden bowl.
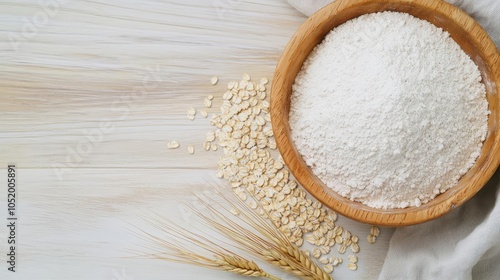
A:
(464, 30)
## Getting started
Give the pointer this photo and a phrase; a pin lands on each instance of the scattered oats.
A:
(280, 197)
(355, 239)
(339, 239)
(347, 235)
(210, 136)
(191, 149)
(307, 253)
(338, 230)
(268, 131)
(260, 121)
(328, 268)
(324, 260)
(208, 102)
(311, 239)
(214, 80)
(342, 248)
(250, 86)
(316, 253)
(173, 145)
(353, 258)
(206, 146)
(267, 117)
(191, 114)
(355, 248)
(352, 266)
(334, 261)
(265, 104)
(347, 242)
(246, 77)
(297, 233)
(321, 241)
(228, 95)
(371, 239)
(210, 97)
(272, 144)
(375, 231)
(332, 216)
(256, 110)
(324, 250)
(232, 85)
(330, 239)
(204, 113)
(213, 147)
(299, 242)
(264, 81)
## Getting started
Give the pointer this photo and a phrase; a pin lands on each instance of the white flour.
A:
(389, 111)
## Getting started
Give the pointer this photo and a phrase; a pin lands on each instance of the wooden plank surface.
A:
(91, 92)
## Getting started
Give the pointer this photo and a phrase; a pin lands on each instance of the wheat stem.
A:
(271, 245)
(221, 259)
(264, 241)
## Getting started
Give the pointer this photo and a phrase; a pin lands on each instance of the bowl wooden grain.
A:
(464, 30)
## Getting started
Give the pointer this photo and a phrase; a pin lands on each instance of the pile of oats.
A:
(244, 133)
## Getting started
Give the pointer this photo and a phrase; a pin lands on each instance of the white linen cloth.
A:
(464, 244)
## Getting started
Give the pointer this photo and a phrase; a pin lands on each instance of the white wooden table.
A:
(91, 91)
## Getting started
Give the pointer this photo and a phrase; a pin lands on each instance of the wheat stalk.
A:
(267, 243)
(229, 263)
(264, 241)
(174, 251)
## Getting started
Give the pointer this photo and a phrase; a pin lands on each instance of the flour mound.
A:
(389, 111)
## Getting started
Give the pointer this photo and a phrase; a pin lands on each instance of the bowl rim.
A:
(305, 176)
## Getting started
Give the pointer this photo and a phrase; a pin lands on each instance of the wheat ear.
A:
(170, 248)
(242, 266)
(270, 244)
(306, 262)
